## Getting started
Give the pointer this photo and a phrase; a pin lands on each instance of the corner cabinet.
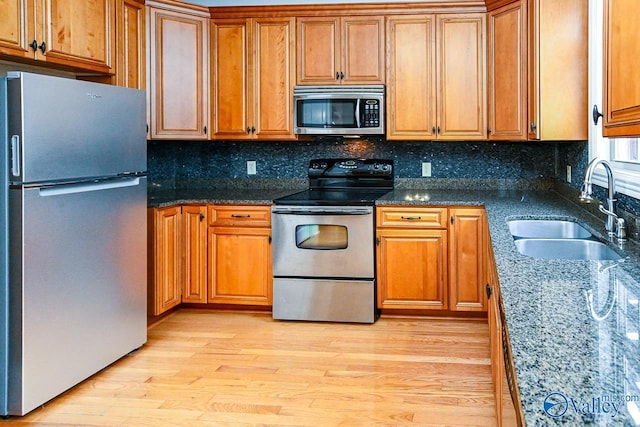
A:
(431, 258)
(340, 50)
(434, 91)
(178, 70)
(76, 35)
(252, 70)
(621, 84)
(240, 255)
(411, 252)
(131, 44)
(532, 94)
(177, 257)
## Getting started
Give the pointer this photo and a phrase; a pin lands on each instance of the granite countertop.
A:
(573, 325)
(159, 198)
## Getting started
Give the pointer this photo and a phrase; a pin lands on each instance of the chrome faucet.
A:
(615, 225)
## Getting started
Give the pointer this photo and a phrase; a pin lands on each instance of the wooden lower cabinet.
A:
(177, 257)
(194, 254)
(165, 256)
(467, 254)
(431, 258)
(508, 406)
(412, 269)
(240, 255)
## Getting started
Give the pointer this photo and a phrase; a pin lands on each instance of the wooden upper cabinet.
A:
(71, 34)
(15, 29)
(411, 77)
(131, 46)
(340, 50)
(621, 83)
(434, 91)
(461, 76)
(252, 66)
(507, 72)
(558, 70)
(178, 71)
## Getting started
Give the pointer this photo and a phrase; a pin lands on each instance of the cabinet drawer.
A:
(246, 216)
(414, 217)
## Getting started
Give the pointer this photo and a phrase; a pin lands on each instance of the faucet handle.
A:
(621, 229)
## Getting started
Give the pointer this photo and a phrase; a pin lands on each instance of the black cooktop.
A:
(355, 182)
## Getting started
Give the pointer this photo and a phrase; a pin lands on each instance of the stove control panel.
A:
(336, 168)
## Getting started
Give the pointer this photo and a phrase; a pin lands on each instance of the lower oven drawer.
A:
(324, 300)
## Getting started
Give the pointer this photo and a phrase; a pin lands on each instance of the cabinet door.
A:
(411, 82)
(467, 264)
(166, 256)
(130, 58)
(178, 74)
(194, 232)
(231, 79)
(362, 50)
(16, 27)
(318, 41)
(621, 53)
(412, 269)
(79, 34)
(461, 75)
(558, 104)
(273, 74)
(507, 72)
(240, 265)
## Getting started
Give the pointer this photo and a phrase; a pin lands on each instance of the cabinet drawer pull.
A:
(240, 216)
(411, 218)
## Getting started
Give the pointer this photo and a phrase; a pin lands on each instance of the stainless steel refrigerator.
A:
(73, 227)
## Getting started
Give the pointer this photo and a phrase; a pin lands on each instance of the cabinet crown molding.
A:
(429, 6)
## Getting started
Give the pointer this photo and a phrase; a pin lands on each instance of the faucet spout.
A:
(586, 194)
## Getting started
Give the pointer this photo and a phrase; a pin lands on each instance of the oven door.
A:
(323, 241)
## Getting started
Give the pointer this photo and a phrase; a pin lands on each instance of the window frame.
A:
(627, 175)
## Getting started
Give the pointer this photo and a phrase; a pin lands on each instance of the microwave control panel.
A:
(371, 113)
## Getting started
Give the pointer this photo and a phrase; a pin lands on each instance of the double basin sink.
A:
(558, 239)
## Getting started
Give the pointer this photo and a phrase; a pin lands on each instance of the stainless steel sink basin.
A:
(566, 249)
(547, 228)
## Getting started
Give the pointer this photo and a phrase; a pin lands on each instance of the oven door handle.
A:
(322, 212)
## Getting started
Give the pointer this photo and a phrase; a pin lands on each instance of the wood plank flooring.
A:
(204, 368)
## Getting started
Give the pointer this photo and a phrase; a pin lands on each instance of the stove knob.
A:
(315, 166)
(323, 165)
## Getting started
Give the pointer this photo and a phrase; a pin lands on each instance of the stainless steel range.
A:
(323, 242)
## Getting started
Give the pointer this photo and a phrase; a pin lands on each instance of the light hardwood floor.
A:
(202, 368)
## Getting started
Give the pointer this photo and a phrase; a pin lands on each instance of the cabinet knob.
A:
(34, 45)
(489, 291)
(438, 129)
(433, 129)
(341, 75)
(337, 76)
(204, 130)
(532, 126)
(596, 114)
(42, 47)
(253, 129)
(248, 129)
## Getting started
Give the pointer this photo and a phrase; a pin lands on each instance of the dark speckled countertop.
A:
(574, 325)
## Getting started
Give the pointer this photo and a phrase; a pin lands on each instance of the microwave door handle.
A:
(358, 113)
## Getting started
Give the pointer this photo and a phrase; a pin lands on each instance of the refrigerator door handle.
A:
(83, 187)
(15, 155)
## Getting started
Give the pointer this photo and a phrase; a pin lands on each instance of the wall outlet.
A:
(569, 174)
(251, 167)
(426, 169)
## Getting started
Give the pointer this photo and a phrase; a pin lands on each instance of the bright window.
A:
(622, 153)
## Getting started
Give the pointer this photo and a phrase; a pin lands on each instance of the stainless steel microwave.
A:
(339, 110)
